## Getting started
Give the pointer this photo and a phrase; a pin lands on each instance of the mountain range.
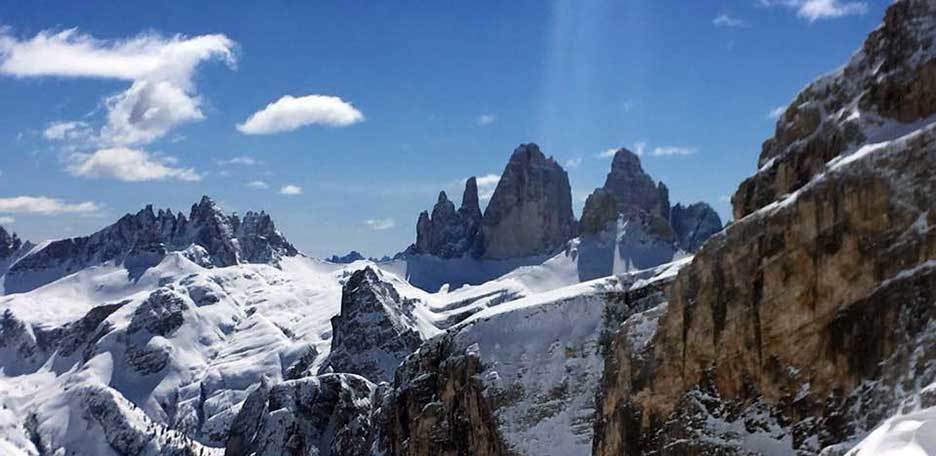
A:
(806, 326)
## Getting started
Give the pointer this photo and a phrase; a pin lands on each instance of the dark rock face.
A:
(694, 224)
(628, 223)
(140, 240)
(374, 331)
(633, 188)
(9, 243)
(450, 233)
(809, 318)
(351, 257)
(530, 212)
(161, 313)
(892, 79)
(327, 415)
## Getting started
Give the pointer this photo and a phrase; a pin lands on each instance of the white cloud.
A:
(486, 185)
(775, 113)
(128, 165)
(486, 119)
(607, 153)
(244, 160)
(258, 185)
(290, 190)
(289, 113)
(813, 10)
(63, 131)
(6, 220)
(640, 147)
(70, 53)
(147, 111)
(380, 224)
(663, 151)
(724, 20)
(573, 162)
(43, 205)
(161, 95)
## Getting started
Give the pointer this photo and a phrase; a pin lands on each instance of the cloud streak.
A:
(290, 113)
(724, 20)
(43, 205)
(813, 10)
(380, 224)
(290, 190)
(128, 165)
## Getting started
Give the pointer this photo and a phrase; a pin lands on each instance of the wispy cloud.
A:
(290, 113)
(43, 205)
(607, 153)
(573, 162)
(775, 113)
(486, 119)
(7, 220)
(724, 20)
(380, 224)
(128, 165)
(258, 185)
(290, 190)
(813, 10)
(665, 151)
(67, 131)
(244, 160)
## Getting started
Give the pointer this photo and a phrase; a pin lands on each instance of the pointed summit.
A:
(530, 212)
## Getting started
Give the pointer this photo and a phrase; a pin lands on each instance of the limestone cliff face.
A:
(530, 212)
(811, 318)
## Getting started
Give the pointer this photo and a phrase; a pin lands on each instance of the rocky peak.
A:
(530, 212)
(140, 240)
(693, 224)
(9, 243)
(888, 83)
(633, 188)
(448, 233)
(374, 331)
(351, 257)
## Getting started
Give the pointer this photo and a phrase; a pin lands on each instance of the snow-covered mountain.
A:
(807, 326)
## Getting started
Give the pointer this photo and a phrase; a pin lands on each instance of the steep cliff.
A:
(810, 319)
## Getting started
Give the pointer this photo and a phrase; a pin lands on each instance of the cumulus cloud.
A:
(724, 20)
(813, 10)
(258, 185)
(161, 96)
(486, 119)
(380, 224)
(290, 190)
(289, 113)
(128, 165)
(43, 205)
(244, 160)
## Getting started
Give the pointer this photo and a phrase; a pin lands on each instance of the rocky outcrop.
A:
(375, 330)
(9, 243)
(694, 224)
(884, 88)
(141, 240)
(327, 415)
(630, 196)
(351, 257)
(811, 318)
(530, 212)
(450, 233)
(521, 381)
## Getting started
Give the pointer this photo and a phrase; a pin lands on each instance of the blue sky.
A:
(391, 102)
